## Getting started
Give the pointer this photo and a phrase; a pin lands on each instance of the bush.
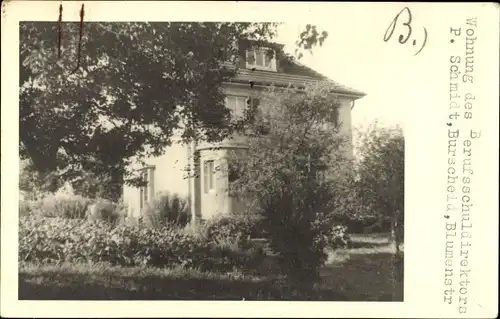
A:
(72, 207)
(337, 237)
(121, 210)
(105, 210)
(233, 229)
(167, 209)
(331, 233)
(58, 240)
(25, 207)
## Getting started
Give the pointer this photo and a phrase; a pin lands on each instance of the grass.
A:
(366, 276)
(83, 282)
(369, 272)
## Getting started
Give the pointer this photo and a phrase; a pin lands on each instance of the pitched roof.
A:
(289, 73)
(299, 68)
(296, 75)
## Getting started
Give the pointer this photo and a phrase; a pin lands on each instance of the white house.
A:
(207, 192)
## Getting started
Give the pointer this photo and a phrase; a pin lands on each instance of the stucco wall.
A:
(345, 121)
(169, 176)
(218, 201)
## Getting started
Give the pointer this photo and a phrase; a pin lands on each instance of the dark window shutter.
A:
(255, 103)
(251, 108)
(233, 173)
(335, 117)
(242, 48)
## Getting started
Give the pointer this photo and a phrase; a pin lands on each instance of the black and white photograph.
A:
(199, 160)
(242, 159)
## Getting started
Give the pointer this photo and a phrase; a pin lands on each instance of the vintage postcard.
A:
(249, 159)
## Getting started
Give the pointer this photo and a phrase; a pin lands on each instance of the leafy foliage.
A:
(70, 206)
(336, 238)
(235, 229)
(136, 84)
(380, 168)
(167, 209)
(90, 185)
(58, 240)
(108, 211)
(289, 175)
(62, 206)
(34, 185)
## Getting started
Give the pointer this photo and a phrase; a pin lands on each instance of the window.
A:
(331, 121)
(208, 175)
(237, 105)
(146, 190)
(259, 59)
(241, 106)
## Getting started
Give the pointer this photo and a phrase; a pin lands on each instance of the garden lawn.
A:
(369, 271)
(366, 277)
(84, 282)
(359, 274)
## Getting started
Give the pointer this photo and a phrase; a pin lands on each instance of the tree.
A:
(34, 185)
(380, 169)
(97, 98)
(289, 172)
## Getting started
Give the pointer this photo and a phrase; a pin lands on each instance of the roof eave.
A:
(355, 95)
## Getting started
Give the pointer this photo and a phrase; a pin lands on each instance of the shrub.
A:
(331, 233)
(72, 206)
(231, 229)
(337, 237)
(121, 210)
(105, 210)
(25, 207)
(290, 175)
(57, 240)
(167, 209)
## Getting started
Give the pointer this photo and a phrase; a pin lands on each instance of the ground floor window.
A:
(208, 175)
(146, 190)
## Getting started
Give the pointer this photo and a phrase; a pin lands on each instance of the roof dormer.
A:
(261, 58)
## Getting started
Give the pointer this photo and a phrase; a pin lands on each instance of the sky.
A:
(346, 61)
(359, 59)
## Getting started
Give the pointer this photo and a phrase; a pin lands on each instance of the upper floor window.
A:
(237, 105)
(259, 58)
(332, 120)
(242, 107)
